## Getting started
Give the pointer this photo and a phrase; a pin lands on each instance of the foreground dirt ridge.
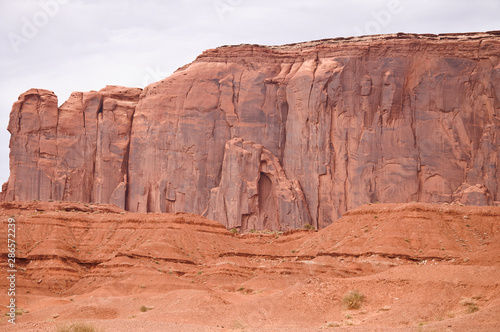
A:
(276, 137)
(419, 267)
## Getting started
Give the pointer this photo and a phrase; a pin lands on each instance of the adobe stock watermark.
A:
(11, 270)
(222, 7)
(32, 26)
(154, 75)
(381, 19)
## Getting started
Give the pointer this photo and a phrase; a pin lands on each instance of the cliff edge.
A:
(276, 137)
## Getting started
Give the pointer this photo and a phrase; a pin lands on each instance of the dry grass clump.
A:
(143, 308)
(78, 327)
(353, 300)
(470, 305)
(471, 308)
(237, 325)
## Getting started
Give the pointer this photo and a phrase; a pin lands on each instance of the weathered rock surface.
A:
(254, 191)
(342, 122)
(77, 152)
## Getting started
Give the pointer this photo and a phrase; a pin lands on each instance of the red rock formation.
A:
(254, 192)
(77, 152)
(392, 118)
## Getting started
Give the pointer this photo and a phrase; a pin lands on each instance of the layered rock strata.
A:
(276, 137)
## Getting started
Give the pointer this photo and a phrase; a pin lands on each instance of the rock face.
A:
(276, 137)
(254, 192)
(77, 152)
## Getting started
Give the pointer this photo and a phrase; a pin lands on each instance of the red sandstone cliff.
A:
(77, 152)
(276, 137)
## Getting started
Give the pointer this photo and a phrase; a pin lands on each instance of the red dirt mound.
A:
(418, 266)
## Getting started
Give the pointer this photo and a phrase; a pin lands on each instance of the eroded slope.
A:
(417, 264)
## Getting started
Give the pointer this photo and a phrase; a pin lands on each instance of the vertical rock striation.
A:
(75, 152)
(276, 137)
(254, 192)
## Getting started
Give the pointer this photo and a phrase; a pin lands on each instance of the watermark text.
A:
(381, 19)
(11, 270)
(222, 7)
(31, 26)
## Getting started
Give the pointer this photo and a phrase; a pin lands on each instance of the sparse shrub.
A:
(353, 300)
(78, 327)
(472, 307)
(309, 227)
(143, 308)
(332, 324)
(237, 325)
(234, 231)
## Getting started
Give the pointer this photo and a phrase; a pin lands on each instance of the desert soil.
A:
(420, 267)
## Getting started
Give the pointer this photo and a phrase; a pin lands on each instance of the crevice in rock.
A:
(125, 162)
(283, 109)
(267, 203)
(94, 152)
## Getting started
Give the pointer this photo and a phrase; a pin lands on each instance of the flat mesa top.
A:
(450, 44)
(381, 37)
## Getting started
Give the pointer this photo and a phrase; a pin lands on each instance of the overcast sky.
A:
(77, 45)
